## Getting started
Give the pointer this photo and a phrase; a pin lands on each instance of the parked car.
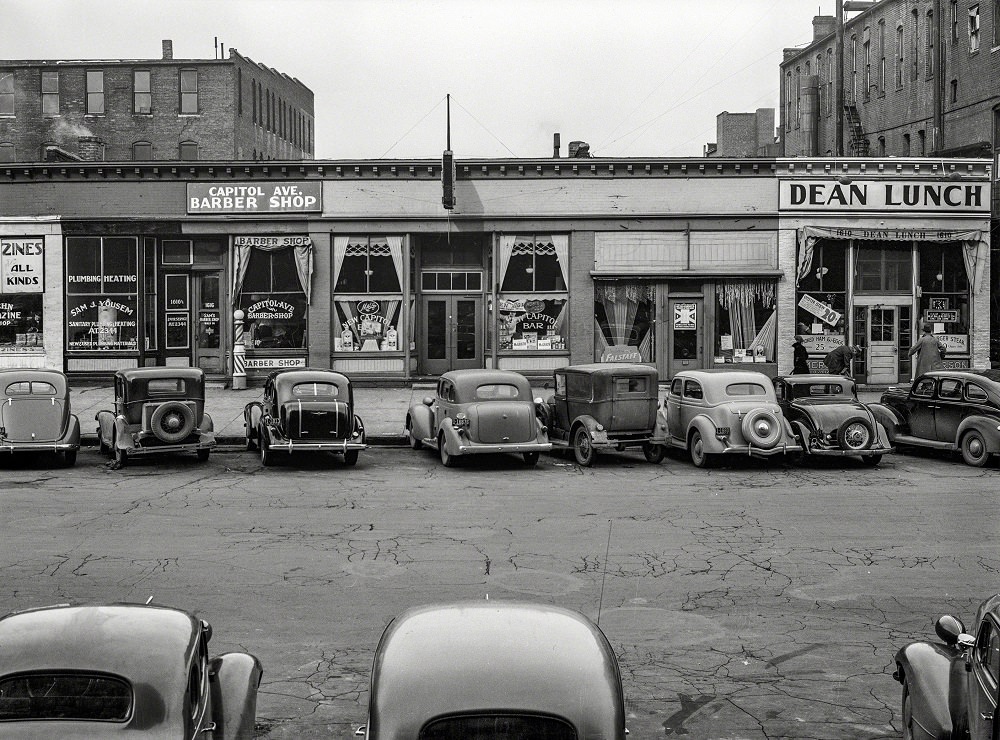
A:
(494, 670)
(726, 412)
(946, 410)
(305, 411)
(157, 410)
(100, 671)
(478, 412)
(828, 418)
(35, 415)
(606, 406)
(950, 689)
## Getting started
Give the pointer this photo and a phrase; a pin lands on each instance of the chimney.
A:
(91, 149)
(823, 26)
(579, 149)
(555, 145)
(168, 49)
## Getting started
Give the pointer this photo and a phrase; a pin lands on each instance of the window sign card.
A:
(22, 265)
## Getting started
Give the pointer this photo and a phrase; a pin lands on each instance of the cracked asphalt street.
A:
(754, 600)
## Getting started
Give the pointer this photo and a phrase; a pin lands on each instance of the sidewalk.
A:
(383, 410)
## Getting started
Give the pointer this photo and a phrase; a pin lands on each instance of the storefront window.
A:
(20, 322)
(273, 300)
(533, 304)
(22, 283)
(944, 293)
(821, 298)
(745, 321)
(102, 283)
(368, 297)
(624, 313)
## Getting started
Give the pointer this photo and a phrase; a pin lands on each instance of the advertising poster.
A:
(22, 265)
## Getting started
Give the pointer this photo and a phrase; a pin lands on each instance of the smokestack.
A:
(579, 150)
(91, 149)
(168, 49)
(555, 145)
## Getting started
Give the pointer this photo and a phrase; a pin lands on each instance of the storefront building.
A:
(681, 264)
(881, 254)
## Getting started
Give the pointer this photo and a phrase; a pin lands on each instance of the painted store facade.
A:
(679, 263)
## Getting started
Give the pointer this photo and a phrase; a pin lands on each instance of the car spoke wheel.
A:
(583, 447)
(871, 460)
(653, 452)
(907, 712)
(447, 459)
(696, 448)
(415, 443)
(855, 434)
(172, 421)
(974, 450)
(530, 459)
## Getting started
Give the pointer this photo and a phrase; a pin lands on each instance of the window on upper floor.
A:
(921, 143)
(954, 91)
(95, 92)
(996, 23)
(6, 93)
(239, 92)
(868, 69)
(906, 145)
(929, 43)
(881, 146)
(881, 61)
(189, 91)
(50, 93)
(973, 28)
(188, 151)
(142, 151)
(915, 67)
(142, 98)
(954, 21)
(899, 57)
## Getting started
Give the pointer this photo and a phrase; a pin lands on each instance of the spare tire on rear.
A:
(172, 421)
(761, 427)
(855, 434)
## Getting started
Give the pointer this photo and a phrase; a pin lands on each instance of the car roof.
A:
(467, 381)
(609, 368)
(725, 376)
(141, 373)
(487, 655)
(817, 378)
(286, 378)
(145, 644)
(992, 375)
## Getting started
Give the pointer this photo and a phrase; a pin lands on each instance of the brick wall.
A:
(581, 297)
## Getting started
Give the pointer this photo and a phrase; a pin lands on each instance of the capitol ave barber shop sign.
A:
(881, 196)
(252, 198)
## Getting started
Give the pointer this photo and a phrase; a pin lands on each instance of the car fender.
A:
(660, 433)
(451, 440)
(800, 432)
(122, 435)
(235, 678)
(598, 435)
(881, 434)
(706, 427)
(207, 425)
(105, 424)
(989, 428)
(937, 680)
(359, 426)
(888, 417)
(271, 432)
(72, 435)
(252, 413)
(421, 421)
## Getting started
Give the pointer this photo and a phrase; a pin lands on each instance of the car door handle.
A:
(210, 728)
(986, 716)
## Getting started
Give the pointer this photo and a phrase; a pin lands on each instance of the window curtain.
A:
(505, 249)
(388, 310)
(339, 252)
(975, 254)
(396, 250)
(561, 243)
(303, 256)
(739, 297)
(621, 304)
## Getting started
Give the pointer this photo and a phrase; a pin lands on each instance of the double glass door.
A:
(192, 320)
(451, 333)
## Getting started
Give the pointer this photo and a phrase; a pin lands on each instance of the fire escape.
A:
(859, 143)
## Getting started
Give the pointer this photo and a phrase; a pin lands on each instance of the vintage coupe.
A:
(606, 406)
(946, 410)
(498, 670)
(479, 412)
(305, 411)
(35, 416)
(726, 412)
(950, 689)
(157, 409)
(104, 671)
(828, 418)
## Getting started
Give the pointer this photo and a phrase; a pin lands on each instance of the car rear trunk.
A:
(497, 422)
(23, 417)
(629, 415)
(316, 420)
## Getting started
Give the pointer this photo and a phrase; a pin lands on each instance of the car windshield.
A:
(745, 389)
(165, 385)
(315, 390)
(31, 388)
(498, 727)
(73, 696)
(496, 392)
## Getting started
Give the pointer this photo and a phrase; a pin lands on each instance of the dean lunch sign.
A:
(254, 197)
(880, 195)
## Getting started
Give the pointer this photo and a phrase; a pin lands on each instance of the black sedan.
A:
(828, 418)
(946, 410)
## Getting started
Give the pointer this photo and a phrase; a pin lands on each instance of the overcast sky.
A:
(631, 77)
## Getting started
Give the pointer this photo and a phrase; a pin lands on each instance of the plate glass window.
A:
(533, 301)
(273, 300)
(95, 92)
(102, 282)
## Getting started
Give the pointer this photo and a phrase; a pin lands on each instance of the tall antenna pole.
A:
(448, 109)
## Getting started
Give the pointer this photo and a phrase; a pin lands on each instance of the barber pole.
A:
(239, 353)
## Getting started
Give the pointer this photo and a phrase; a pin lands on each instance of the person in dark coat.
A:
(800, 358)
(928, 353)
(838, 360)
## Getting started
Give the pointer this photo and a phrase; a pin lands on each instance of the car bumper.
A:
(138, 450)
(291, 446)
(465, 447)
(760, 452)
(837, 452)
(12, 447)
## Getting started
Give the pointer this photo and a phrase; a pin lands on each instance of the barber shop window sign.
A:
(685, 316)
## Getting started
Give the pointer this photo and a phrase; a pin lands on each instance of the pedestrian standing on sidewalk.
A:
(928, 353)
(800, 358)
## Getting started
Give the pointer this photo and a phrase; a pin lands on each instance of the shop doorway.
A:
(451, 333)
(685, 338)
(883, 329)
(191, 318)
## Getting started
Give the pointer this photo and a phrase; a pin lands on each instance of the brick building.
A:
(744, 135)
(153, 109)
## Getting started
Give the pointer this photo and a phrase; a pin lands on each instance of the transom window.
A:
(435, 281)
(884, 267)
